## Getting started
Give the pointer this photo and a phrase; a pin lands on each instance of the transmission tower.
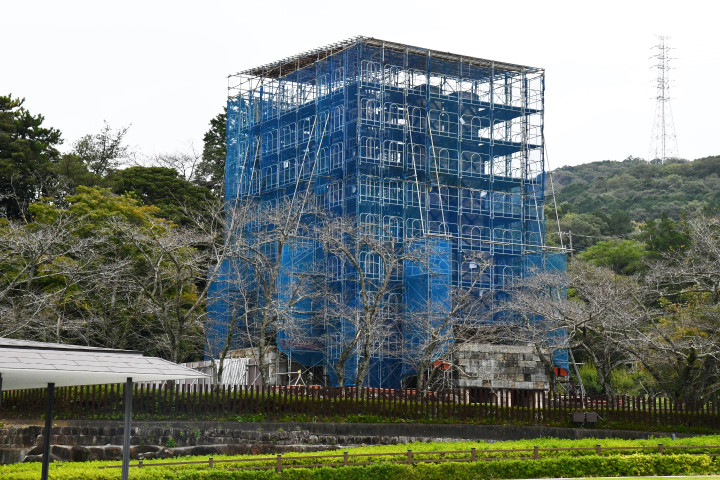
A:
(663, 142)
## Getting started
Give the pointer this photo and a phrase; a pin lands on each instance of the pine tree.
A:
(211, 170)
(27, 158)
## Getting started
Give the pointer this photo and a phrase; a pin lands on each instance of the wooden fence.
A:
(268, 403)
(278, 462)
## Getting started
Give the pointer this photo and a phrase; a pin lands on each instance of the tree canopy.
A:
(639, 190)
(28, 154)
(103, 152)
(175, 197)
(211, 170)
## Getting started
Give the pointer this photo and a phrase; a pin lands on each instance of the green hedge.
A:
(611, 466)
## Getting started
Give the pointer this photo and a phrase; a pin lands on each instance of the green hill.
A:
(608, 198)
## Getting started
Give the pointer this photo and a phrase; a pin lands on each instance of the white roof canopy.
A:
(25, 364)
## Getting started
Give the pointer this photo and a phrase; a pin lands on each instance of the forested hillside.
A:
(612, 198)
(643, 273)
(641, 190)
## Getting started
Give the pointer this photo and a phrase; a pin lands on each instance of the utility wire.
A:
(625, 235)
(552, 189)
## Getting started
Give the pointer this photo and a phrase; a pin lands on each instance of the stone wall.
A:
(501, 367)
(101, 440)
(190, 434)
(262, 437)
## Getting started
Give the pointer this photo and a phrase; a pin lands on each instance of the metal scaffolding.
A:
(421, 143)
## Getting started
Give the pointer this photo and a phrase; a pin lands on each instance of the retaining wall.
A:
(188, 433)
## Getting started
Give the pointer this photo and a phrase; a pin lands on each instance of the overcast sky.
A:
(162, 66)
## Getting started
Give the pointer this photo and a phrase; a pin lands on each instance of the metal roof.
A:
(288, 65)
(26, 364)
(11, 342)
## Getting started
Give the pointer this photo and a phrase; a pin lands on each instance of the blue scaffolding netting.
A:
(424, 144)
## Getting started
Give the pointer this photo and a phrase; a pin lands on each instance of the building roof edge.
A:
(288, 65)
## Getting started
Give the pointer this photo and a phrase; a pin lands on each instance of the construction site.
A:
(420, 145)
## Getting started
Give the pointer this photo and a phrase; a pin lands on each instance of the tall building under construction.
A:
(422, 143)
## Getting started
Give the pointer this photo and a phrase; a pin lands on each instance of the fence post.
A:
(246, 399)
(472, 454)
(535, 452)
(661, 449)
(358, 397)
(140, 463)
(409, 457)
(138, 403)
(627, 408)
(278, 466)
(264, 402)
(232, 401)
(210, 462)
(185, 396)
(394, 409)
(161, 401)
(314, 403)
(503, 410)
(93, 401)
(207, 394)
(74, 401)
(598, 449)
(345, 458)
(153, 400)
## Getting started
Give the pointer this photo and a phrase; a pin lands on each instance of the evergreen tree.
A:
(103, 152)
(28, 154)
(664, 235)
(624, 257)
(211, 170)
(175, 197)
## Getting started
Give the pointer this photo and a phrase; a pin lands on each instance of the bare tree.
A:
(694, 269)
(367, 259)
(117, 276)
(229, 305)
(170, 271)
(437, 328)
(185, 163)
(41, 263)
(63, 281)
(596, 318)
(270, 272)
(521, 327)
(109, 308)
(680, 348)
(603, 309)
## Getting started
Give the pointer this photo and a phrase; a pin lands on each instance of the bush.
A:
(589, 379)
(550, 464)
(631, 381)
(611, 466)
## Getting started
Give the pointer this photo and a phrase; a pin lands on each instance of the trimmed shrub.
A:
(610, 466)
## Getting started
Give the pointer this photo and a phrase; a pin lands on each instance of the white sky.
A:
(162, 66)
